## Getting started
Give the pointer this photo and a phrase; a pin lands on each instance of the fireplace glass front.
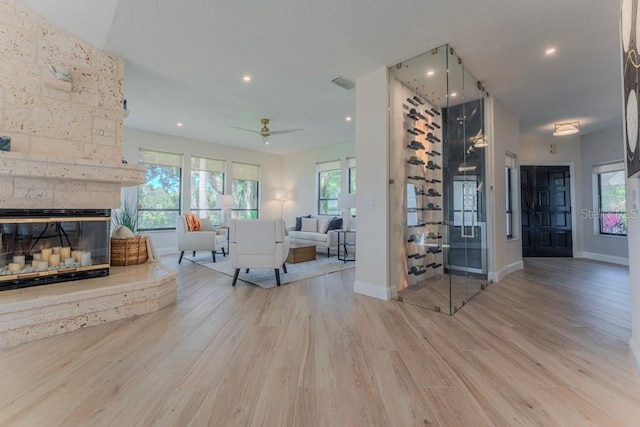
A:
(40, 247)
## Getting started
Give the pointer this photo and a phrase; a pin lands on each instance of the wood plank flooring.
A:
(546, 346)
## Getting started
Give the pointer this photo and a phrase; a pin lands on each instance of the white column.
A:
(372, 153)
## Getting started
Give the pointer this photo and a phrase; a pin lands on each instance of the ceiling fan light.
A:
(564, 129)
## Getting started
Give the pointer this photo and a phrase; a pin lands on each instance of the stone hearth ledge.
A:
(38, 312)
(14, 164)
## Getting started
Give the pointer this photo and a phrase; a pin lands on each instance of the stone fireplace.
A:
(66, 154)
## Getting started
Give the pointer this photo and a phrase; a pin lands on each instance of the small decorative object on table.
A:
(5, 143)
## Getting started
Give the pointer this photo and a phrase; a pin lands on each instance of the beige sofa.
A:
(326, 240)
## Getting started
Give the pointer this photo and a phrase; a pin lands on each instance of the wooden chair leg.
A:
(224, 254)
(328, 252)
(194, 253)
(247, 270)
(213, 254)
(284, 267)
(278, 276)
(181, 254)
(235, 276)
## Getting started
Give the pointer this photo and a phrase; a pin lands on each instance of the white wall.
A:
(372, 153)
(270, 171)
(299, 176)
(504, 136)
(535, 150)
(597, 148)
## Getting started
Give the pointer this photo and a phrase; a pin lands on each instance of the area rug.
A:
(266, 278)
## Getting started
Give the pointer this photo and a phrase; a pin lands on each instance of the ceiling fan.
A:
(265, 132)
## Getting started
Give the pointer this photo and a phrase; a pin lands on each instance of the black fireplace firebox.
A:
(45, 246)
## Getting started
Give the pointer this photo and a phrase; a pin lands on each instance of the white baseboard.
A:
(634, 355)
(372, 290)
(605, 258)
(499, 275)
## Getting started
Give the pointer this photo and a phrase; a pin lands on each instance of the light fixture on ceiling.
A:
(246, 78)
(348, 118)
(454, 94)
(430, 73)
(550, 51)
(563, 129)
(179, 124)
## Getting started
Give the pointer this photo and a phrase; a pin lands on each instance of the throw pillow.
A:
(335, 224)
(310, 224)
(193, 222)
(299, 222)
(323, 223)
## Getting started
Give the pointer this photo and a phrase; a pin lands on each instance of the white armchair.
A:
(258, 244)
(209, 238)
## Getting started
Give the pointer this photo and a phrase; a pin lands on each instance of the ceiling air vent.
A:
(344, 83)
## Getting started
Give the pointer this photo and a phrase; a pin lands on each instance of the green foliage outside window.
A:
(159, 198)
(329, 188)
(245, 194)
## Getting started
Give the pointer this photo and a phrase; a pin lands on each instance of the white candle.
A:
(57, 249)
(37, 257)
(34, 263)
(65, 252)
(54, 259)
(14, 267)
(46, 253)
(85, 260)
(20, 260)
(43, 265)
(68, 261)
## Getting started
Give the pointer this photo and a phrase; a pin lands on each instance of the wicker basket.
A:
(131, 251)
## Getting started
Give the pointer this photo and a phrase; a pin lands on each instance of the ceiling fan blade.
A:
(275, 132)
(248, 130)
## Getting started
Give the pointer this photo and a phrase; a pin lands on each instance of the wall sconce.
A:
(225, 202)
(563, 129)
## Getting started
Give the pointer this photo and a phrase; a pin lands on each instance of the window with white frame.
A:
(328, 176)
(611, 204)
(510, 199)
(159, 197)
(207, 182)
(351, 172)
(244, 187)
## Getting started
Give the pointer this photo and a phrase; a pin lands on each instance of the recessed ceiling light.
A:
(179, 124)
(348, 118)
(266, 143)
(454, 94)
(246, 78)
(430, 73)
(550, 51)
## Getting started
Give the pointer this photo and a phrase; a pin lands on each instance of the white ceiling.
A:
(186, 59)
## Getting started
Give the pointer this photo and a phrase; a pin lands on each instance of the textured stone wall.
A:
(50, 121)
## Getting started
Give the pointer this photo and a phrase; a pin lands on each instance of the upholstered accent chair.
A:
(258, 244)
(208, 238)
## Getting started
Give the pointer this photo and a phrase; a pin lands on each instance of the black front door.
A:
(546, 211)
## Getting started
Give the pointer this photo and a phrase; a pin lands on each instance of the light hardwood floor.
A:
(546, 346)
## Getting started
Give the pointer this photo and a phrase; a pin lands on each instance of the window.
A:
(351, 166)
(159, 197)
(328, 187)
(207, 181)
(612, 205)
(510, 179)
(244, 188)
(351, 170)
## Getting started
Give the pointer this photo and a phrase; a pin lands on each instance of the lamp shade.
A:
(225, 201)
(346, 200)
(282, 194)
